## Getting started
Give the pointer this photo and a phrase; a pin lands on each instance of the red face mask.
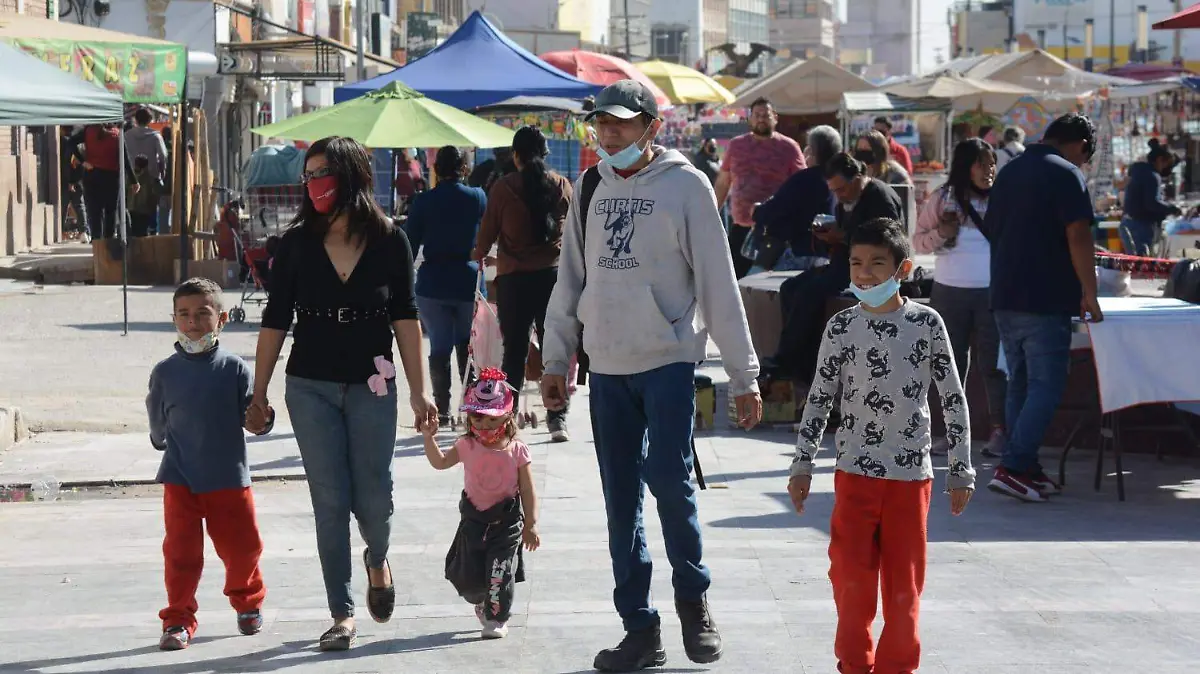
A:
(324, 192)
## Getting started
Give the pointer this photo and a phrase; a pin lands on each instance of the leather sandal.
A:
(381, 601)
(338, 638)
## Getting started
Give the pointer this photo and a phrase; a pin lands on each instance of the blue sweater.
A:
(1143, 195)
(197, 405)
(444, 221)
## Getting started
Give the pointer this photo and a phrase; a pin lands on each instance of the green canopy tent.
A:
(390, 117)
(140, 69)
(37, 94)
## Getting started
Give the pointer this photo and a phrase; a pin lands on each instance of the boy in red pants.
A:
(876, 364)
(197, 407)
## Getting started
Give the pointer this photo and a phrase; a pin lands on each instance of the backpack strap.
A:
(591, 180)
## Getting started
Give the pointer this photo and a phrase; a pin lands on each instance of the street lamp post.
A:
(1089, 44)
(1041, 38)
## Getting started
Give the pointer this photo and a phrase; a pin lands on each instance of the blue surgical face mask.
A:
(877, 296)
(625, 158)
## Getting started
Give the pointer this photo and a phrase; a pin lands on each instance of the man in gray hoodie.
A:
(645, 275)
(143, 140)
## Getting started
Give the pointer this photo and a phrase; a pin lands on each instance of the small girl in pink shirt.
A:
(498, 504)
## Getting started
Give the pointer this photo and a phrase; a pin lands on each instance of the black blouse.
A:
(340, 326)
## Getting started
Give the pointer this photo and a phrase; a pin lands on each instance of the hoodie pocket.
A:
(621, 320)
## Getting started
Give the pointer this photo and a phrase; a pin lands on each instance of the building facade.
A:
(804, 29)
(629, 28)
(903, 37)
(716, 32)
(677, 31)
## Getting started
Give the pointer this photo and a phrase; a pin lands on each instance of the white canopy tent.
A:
(807, 87)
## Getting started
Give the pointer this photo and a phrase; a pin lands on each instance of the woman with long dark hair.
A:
(871, 148)
(950, 227)
(346, 273)
(444, 221)
(525, 213)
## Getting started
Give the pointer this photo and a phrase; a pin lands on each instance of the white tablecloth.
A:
(1145, 351)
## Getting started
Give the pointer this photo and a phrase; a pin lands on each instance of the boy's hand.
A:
(798, 488)
(258, 416)
(959, 498)
(749, 410)
(530, 537)
(554, 391)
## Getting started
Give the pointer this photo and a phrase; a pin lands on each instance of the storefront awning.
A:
(139, 69)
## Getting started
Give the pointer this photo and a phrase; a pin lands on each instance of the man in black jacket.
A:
(803, 298)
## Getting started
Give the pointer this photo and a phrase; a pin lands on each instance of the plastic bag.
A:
(487, 344)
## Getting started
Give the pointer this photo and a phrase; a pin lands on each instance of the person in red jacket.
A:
(101, 159)
(895, 150)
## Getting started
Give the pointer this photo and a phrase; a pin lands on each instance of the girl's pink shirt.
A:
(490, 475)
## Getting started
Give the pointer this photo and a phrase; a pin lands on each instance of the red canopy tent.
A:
(1188, 18)
(602, 69)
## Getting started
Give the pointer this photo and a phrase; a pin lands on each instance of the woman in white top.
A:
(948, 226)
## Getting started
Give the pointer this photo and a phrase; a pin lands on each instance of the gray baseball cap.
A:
(625, 100)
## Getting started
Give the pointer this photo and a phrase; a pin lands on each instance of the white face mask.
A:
(197, 346)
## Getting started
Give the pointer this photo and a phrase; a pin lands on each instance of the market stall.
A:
(41, 95)
(138, 70)
(922, 125)
(685, 86)
(603, 70)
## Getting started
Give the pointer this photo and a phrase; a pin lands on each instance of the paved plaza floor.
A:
(1081, 585)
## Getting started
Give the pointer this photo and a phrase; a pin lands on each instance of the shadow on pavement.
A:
(1162, 505)
(260, 661)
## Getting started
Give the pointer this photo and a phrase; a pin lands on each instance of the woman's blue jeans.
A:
(347, 437)
(446, 322)
(1137, 236)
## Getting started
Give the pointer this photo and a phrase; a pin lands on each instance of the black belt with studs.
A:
(342, 315)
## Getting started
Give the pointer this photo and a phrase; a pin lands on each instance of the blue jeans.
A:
(1137, 236)
(1037, 351)
(347, 436)
(629, 412)
(446, 322)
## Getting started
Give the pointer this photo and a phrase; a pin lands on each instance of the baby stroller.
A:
(257, 262)
(486, 349)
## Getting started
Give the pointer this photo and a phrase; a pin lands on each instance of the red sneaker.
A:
(1016, 486)
(1044, 484)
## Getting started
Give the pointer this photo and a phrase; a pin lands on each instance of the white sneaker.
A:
(558, 430)
(494, 630)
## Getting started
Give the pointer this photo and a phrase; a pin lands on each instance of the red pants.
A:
(234, 532)
(878, 532)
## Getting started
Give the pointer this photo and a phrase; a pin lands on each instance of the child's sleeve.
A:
(954, 408)
(157, 412)
(521, 454)
(820, 403)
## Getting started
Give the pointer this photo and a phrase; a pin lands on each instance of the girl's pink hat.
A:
(490, 395)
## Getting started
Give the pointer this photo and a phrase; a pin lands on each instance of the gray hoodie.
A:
(147, 141)
(658, 276)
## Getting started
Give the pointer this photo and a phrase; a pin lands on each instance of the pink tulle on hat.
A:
(490, 395)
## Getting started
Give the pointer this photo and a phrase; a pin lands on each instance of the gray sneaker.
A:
(558, 429)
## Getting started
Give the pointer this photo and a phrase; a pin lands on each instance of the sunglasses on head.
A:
(308, 176)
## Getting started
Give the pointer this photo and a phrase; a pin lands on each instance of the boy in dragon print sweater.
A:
(877, 362)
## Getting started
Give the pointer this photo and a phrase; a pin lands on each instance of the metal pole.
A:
(1178, 55)
(1089, 44)
(1143, 34)
(358, 40)
(123, 217)
(628, 53)
(184, 184)
(1066, 54)
(1112, 33)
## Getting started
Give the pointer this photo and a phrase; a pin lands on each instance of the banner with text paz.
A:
(139, 73)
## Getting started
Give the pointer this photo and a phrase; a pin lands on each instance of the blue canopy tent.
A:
(477, 65)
